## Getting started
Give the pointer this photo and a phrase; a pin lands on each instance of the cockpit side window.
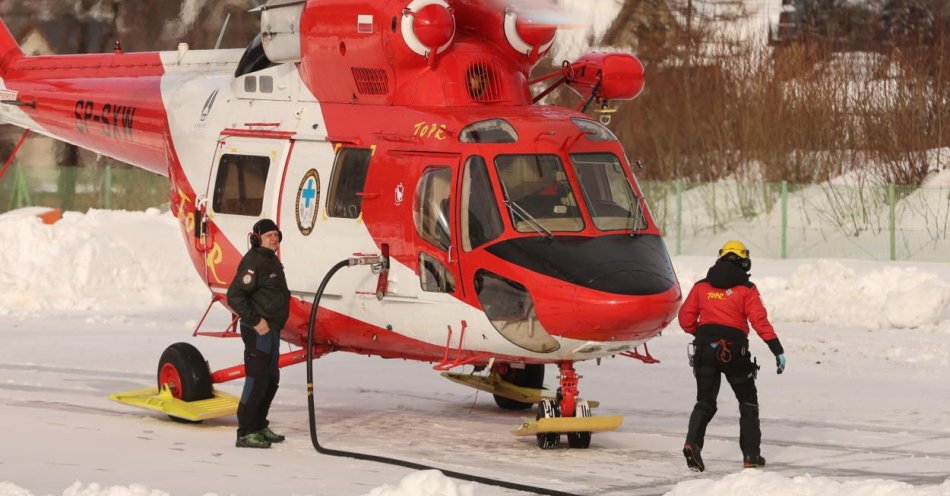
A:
(612, 202)
(538, 193)
(481, 220)
(430, 211)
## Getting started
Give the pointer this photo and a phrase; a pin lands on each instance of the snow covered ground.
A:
(88, 305)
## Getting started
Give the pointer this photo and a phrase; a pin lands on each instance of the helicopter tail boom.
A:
(9, 48)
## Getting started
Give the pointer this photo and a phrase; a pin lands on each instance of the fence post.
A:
(892, 207)
(107, 186)
(66, 187)
(679, 217)
(784, 220)
(21, 191)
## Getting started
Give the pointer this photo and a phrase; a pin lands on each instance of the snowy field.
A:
(88, 305)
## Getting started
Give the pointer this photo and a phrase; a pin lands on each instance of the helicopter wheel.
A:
(532, 376)
(185, 373)
(580, 440)
(548, 408)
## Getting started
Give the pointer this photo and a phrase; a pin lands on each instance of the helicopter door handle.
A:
(201, 223)
(382, 284)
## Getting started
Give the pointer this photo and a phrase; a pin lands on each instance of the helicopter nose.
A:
(617, 265)
(610, 288)
(587, 315)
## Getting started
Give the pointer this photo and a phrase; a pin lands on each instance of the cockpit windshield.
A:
(538, 194)
(611, 200)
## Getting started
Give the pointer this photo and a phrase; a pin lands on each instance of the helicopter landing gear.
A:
(548, 408)
(580, 440)
(577, 407)
(185, 374)
(566, 414)
(184, 393)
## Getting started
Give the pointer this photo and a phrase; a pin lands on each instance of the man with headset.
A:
(717, 312)
(259, 295)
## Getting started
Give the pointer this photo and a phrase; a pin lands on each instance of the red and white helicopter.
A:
(506, 234)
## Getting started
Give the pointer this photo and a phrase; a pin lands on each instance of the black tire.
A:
(580, 440)
(548, 408)
(185, 361)
(532, 376)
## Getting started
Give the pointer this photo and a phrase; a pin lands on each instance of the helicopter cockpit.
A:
(537, 191)
(564, 210)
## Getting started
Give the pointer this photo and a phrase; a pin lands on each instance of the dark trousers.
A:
(709, 365)
(260, 384)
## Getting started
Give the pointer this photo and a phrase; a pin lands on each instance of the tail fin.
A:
(9, 48)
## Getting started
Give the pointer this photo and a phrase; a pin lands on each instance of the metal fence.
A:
(82, 188)
(776, 220)
(781, 220)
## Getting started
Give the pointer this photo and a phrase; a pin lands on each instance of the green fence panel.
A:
(776, 220)
(82, 188)
(782, 220)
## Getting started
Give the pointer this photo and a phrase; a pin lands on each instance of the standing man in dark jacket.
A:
(718, 311)
(259, 295)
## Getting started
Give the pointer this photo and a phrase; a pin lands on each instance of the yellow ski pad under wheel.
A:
(494, 384)
(569, 424)
(221, 405)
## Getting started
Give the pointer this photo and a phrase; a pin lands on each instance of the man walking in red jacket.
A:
(717, 312)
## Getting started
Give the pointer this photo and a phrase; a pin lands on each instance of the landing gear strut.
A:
(565, 405)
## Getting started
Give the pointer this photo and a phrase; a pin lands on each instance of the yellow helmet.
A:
(736, 247)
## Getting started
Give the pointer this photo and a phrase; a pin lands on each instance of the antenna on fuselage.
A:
(224, 28)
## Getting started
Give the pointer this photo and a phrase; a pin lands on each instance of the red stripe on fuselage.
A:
(111, 104)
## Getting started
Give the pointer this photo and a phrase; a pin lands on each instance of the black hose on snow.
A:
(383, 459)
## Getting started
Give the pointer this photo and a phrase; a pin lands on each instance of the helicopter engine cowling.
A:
(527, 36)
(280, 30)
(614, 76)
(516, 34)
(428, 27)
(424, 53)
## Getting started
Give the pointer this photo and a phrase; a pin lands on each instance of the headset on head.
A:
(255, 238)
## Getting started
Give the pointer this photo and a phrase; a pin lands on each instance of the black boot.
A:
(693, 459)
(753, 461)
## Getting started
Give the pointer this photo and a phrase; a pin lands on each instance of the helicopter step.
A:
(493, 383)
(564, 425)
(221, 405)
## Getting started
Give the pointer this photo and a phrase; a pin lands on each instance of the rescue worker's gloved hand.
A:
(780, 363)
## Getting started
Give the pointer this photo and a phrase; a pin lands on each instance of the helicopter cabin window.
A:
(594, 131)
(430, 211)
(490, 131)
(481, 221)
(239, 186)
(538, 194)
(611, 200)
(433, 276)
(347, 182)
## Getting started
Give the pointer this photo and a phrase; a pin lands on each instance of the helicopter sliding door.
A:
(320, 214)
(244, 187)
